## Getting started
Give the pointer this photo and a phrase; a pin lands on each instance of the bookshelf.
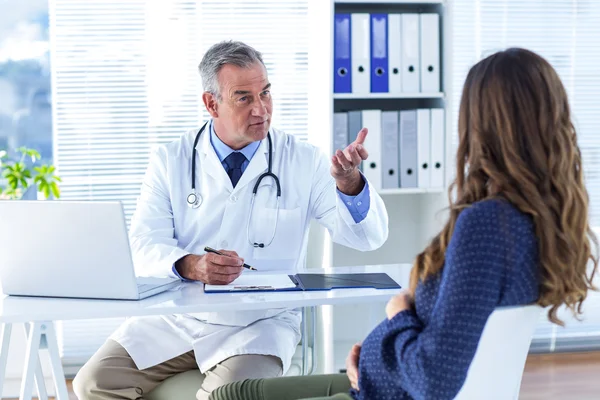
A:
(392, 2)
(384, 192)
(413, 212)
(375, 96)
(415, 215)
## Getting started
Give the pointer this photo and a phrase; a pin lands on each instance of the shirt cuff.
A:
(358, 205)
(179, 276)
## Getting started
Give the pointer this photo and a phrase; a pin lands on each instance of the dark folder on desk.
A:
(305, 282)
(344, 281)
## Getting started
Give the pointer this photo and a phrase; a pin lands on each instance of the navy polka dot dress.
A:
(492, 260)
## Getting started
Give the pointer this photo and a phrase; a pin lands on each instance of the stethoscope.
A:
(194, 200)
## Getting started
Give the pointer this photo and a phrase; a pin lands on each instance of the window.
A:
(25, 95)
(125, 79)
(566, 33)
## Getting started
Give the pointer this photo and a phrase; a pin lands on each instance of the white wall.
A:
(412, 223)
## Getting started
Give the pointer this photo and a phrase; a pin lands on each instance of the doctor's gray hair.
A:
(226, 52)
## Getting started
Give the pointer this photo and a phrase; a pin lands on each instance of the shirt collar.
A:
(223, 150)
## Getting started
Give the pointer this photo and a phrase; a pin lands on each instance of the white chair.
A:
(496, 370)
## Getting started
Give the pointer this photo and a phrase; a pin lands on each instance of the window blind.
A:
(125, 79)
(566, 33)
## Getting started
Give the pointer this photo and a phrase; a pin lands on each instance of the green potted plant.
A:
(19, 175)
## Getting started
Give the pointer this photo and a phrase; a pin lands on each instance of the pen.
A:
(211, 250)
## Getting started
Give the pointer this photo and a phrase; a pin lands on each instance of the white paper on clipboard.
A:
(250, 281)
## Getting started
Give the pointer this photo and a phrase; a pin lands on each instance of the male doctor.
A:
(168, 235)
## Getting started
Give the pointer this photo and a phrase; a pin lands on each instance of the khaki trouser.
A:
(112, 374)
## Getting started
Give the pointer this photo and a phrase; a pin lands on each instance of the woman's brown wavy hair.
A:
(517, 142)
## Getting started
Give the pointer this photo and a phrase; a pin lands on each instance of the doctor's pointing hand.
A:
(240, 185)
(345, 165)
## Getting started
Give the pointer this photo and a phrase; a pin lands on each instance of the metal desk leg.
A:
(40, 382)
(306, 370)
(58, 372)
(6, 331)
(42, 336)
(31, 361)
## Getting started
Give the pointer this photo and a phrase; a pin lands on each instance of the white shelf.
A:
(409, 191)
(353, 96)
(389, 1)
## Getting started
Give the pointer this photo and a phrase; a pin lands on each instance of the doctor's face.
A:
(243, 115)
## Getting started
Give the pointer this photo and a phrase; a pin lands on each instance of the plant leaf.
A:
(34, 154)
(55, 190)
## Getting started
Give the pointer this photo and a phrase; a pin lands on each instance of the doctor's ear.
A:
(210, 102)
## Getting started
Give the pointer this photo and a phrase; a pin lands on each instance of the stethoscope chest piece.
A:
(194, 200)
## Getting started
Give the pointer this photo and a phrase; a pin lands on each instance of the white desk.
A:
(186, 298)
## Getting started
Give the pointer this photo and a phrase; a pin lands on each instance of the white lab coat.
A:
(164, 229)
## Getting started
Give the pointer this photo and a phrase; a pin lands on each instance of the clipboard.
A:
(304, 282)
(378, 280)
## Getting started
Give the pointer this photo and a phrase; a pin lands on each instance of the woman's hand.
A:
(400, 302)
(352, 365)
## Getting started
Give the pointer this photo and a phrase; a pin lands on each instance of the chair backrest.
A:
(497, 368)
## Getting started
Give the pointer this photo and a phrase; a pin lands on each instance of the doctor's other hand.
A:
(344, 168)
(352, 365)
(211, 268)
(400, 302)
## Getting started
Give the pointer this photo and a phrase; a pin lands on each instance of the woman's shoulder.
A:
(498, 221)
(494, 212)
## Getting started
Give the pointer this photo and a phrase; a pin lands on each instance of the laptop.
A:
(75, 249)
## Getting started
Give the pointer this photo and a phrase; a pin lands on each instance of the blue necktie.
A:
(234, 163)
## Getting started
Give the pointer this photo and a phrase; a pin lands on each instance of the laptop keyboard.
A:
(145, 287)
(145, 284)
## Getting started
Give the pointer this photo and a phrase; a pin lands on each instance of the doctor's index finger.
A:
(225, 260)
(224, 272)
(362, 135)
(230, 253)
